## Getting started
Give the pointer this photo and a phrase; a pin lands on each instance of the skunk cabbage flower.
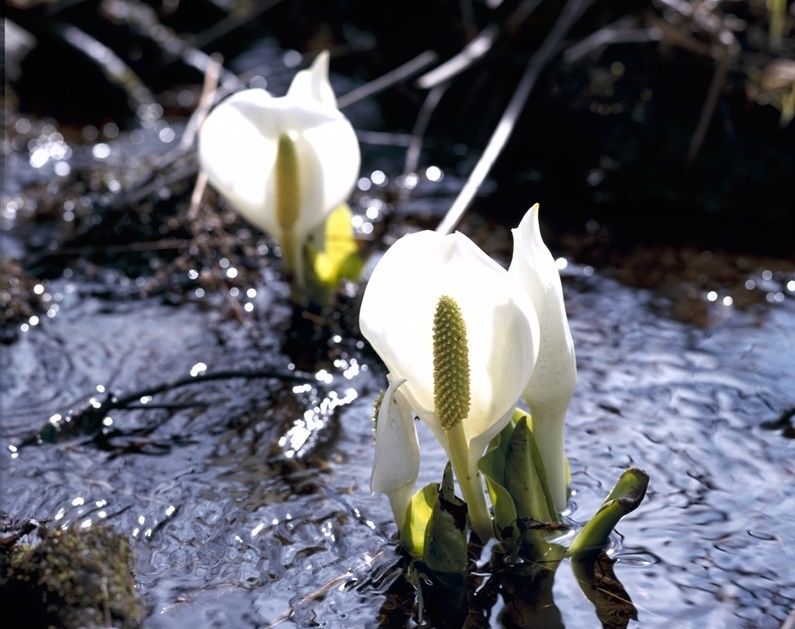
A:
(552, 384)
(464, 335)
(396, 463)
(283, 163)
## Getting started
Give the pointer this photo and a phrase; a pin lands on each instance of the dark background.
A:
(602, 143)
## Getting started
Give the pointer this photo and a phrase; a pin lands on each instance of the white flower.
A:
(397, 318)
(552, 384)
(284, 163)
(396, 462)
(313, 82)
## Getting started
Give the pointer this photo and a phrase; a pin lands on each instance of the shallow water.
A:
(250, 506)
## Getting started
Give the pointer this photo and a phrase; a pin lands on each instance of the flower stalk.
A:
(450, 364)
(288, 207)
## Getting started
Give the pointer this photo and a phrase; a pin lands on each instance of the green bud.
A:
(288, 184)
(450, 363)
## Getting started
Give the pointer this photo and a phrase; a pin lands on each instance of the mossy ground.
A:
(70, 578)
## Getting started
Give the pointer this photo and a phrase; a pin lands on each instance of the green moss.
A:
(70, 579)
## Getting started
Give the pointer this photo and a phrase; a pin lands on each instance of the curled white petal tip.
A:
(314, 82)
(534, 267)
(396, 461)
(551, 386)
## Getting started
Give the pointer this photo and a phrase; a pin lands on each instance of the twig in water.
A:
(209, 88)
(158, 181)
(207, 377)
(205, 102)
(112, 66)
(478, 48)
(473, 52)
(88, 419)
(626, 30)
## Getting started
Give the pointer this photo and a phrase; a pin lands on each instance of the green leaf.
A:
(622, 499)
(492, 466)
(525, 478)
(445, 537)
(417, 517)
(497, 451)
(336, 255)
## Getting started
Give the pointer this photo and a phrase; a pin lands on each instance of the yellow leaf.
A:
(340, 255)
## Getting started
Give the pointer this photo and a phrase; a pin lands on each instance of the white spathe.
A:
(313, 82)
(396, 462)
(238, 145)
(397, 316)
(551, 386)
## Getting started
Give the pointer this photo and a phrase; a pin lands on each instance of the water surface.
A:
(248, 502)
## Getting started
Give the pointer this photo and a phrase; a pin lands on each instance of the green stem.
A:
(288, 209)
(624, 498)
(548, 430)
(470, 483)
(293, 259)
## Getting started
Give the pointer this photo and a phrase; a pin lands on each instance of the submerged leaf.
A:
(417, 517)
(527, 589)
